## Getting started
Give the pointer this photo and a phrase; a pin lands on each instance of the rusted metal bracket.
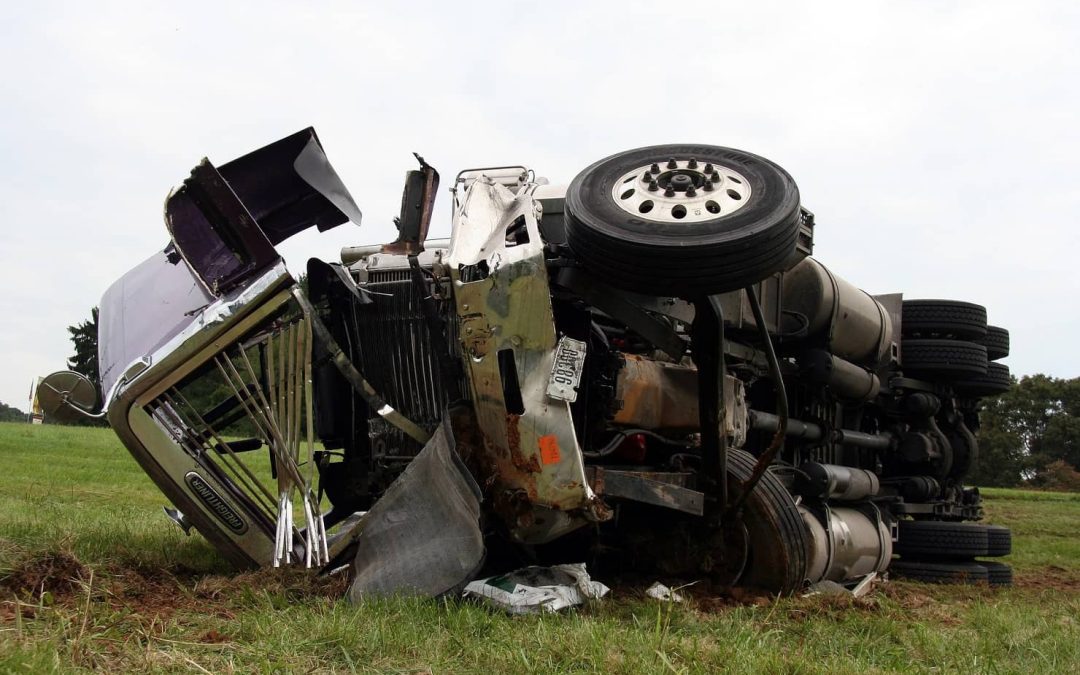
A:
(707, 347)
(417, 205)
(666, 489)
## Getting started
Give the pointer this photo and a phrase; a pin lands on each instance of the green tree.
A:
(1003, 456)
(1061, 437)
(1027, 429)
(10, 414)
(85, 338)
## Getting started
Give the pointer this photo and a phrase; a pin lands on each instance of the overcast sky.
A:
(936, 142)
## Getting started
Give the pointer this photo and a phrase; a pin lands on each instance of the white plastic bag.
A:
(538, 589)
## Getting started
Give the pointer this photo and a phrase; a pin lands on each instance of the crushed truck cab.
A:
(645, 367)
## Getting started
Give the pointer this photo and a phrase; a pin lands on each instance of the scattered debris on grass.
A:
(533, 590)
(659, 591)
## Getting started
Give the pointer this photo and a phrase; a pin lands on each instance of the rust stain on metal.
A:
(595, 476)
(526, 462)
(599, 510)
(656, 395)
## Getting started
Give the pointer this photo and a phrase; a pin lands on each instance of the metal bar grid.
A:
(277, 400)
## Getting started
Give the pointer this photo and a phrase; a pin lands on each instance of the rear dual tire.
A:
(917, 538)
(996, 380)
(944, 553)
(940, 572)
(951, 319)
(945, 359)
(996, 342)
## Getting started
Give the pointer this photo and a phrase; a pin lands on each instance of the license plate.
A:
(566, 372)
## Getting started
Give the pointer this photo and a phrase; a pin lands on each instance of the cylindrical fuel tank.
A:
(834, 481)
(856, 327)
(848, 545)
(846, 379)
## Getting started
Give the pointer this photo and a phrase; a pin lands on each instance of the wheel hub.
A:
(680, 182)
(683, 191)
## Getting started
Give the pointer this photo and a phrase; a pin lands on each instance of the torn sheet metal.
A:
(423, 536)
(501, 291)
(533, 590)
(856, 587)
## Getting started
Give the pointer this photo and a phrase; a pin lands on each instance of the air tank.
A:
(854, 325)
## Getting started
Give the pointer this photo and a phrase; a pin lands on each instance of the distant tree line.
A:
(10, 414)
(1030, 435)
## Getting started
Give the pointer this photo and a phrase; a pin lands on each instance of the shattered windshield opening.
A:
(143, 310)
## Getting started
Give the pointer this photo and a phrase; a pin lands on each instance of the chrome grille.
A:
(396, 355)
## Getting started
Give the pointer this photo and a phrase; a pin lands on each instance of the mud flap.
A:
(423, 536)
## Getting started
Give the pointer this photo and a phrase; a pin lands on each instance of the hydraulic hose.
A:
(769, 455)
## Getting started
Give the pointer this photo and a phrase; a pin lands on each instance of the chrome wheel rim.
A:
(681, 191)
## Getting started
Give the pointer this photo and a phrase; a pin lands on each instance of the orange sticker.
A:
(549, 449)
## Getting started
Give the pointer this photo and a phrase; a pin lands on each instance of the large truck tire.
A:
(996, 342)
(934, 539)
(778, 542)
(943, 319)
(998, 573)
(942, 359)
(683, 220)
(996, 380)
(939, 572)
(998, 541)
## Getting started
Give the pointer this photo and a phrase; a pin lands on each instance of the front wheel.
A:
(684, 220)
(777, 541)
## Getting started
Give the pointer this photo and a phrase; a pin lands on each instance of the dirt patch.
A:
(156, 593)
(833, 605)
(702, 594)
(291, 582)
(213, 637)
(915, 602)
(1051, 578)
(160, 593)
(57, 573)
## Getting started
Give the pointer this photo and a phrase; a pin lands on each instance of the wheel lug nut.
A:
(655, 168)
(692, 164)
(653, 187)
(716, 177)
(646, 177)
(669, 192)
(708, 168)
(707, 187)
(691, 192)
(672, 164)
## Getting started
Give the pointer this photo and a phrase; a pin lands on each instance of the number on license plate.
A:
(567, 369)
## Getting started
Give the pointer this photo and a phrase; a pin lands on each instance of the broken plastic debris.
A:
(538, 589)
(661, 592)
(857, 588)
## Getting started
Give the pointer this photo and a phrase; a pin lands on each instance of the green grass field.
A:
(92, 576)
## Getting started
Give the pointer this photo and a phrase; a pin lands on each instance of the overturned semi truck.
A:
(645, 367)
